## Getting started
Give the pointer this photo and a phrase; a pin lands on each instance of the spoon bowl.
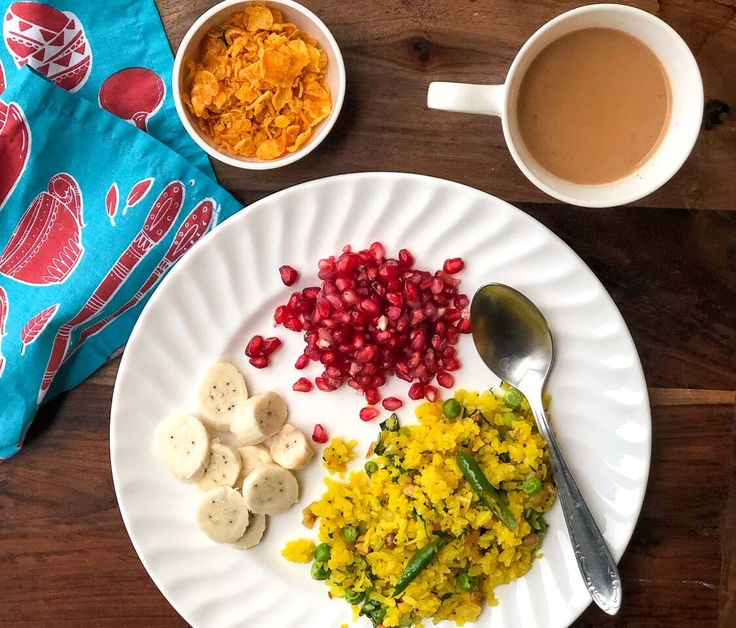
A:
(511, 335)
(515, 342)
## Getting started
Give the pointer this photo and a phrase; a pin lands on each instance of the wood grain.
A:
(669, 265)
(64, 542)
(394, 48)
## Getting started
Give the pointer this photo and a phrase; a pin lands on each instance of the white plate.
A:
(226, 289)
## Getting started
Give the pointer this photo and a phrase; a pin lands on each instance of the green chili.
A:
(483, 488)
(417, 563)
(391, 424)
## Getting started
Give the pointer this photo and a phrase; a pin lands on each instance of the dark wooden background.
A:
(669, 263)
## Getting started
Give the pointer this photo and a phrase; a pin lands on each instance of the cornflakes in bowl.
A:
(256, 89)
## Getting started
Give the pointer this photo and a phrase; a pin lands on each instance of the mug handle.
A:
(466, 98)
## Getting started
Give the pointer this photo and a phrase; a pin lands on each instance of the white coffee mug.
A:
(685, 116)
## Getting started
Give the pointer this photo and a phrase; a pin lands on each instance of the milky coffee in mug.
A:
(600, 107)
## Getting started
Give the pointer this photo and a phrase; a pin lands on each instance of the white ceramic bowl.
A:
(307, 22)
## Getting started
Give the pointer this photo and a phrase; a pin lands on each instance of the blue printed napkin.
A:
(110, 52)
(93, 212)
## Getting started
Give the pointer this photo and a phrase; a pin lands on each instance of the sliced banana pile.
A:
(242, 484)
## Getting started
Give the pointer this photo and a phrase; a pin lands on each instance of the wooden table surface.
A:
(669, 263)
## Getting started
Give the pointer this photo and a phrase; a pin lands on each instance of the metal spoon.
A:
(515, 342)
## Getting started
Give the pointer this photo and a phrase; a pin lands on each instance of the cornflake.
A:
(259, 87)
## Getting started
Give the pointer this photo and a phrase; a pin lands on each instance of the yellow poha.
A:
(413, 491)
(338, 454)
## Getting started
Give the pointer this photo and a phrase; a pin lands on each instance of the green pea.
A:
(513, 398)
(466, 582)
(452, 408)
(350, 534)
(354, 597)
(508, 418)
(319, 571)
(370, 467)
(532, 485)
(322, 553)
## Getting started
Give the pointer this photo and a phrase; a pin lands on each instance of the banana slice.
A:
(253, 534)
(222, 515)
(222, 395)
(223, 467)
(270, 490)
(252, 456)
(290, 448)
(260, 417)
(182, 443)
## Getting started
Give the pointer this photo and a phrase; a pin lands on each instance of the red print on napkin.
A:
(51, 41)
(162, 215)
(133, 94)
(33, 328)
(3, 318)
(15, 145)
(46, 245)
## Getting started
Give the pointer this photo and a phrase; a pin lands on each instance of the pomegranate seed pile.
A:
(374, 316)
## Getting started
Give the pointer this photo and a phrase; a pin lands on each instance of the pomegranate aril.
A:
(452, 364)
(288, 275)
(392, 403)
(377, 251)
(301, 362)
(464, 326)
(437, 285)
(270, 345)
(451, 315)
(319, 435)
(281, 314)
(438, 342)
(366, 354)
(461, 302)
(453, 265)
(394, 313)
(349, 297)
(328, 357)
(431, 393)
(372, 396)
(302, 385)
(346, 263)
(311, 293)
(416, 391)
(259, 362)
(445, 380)
(294, 324)
(368, 413)
(370, 306)
(254, 346)
(412, 293)
(406, 259)
(417, 316)
(324, 384)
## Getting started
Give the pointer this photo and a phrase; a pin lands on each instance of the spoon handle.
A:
(594, 559)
